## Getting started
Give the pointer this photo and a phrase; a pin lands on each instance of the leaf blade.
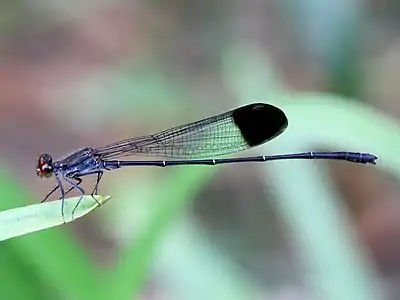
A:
(27, 219)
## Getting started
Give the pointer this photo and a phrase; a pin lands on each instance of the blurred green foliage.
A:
(79, 279)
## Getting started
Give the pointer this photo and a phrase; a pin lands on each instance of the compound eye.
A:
(46, 159)
(44, 167)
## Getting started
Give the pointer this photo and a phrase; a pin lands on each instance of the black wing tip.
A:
(260, 122)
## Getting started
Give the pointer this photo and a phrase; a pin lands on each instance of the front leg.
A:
(62, 194)
(79, 181)
(50, 193)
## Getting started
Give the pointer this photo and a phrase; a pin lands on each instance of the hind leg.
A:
(99, 175)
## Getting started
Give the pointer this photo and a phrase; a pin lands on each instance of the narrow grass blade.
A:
(22, 220)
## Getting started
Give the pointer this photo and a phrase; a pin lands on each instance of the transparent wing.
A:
(226, 133)
(216, 135)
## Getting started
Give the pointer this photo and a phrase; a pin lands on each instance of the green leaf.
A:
(134, 262)
(22, 220)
